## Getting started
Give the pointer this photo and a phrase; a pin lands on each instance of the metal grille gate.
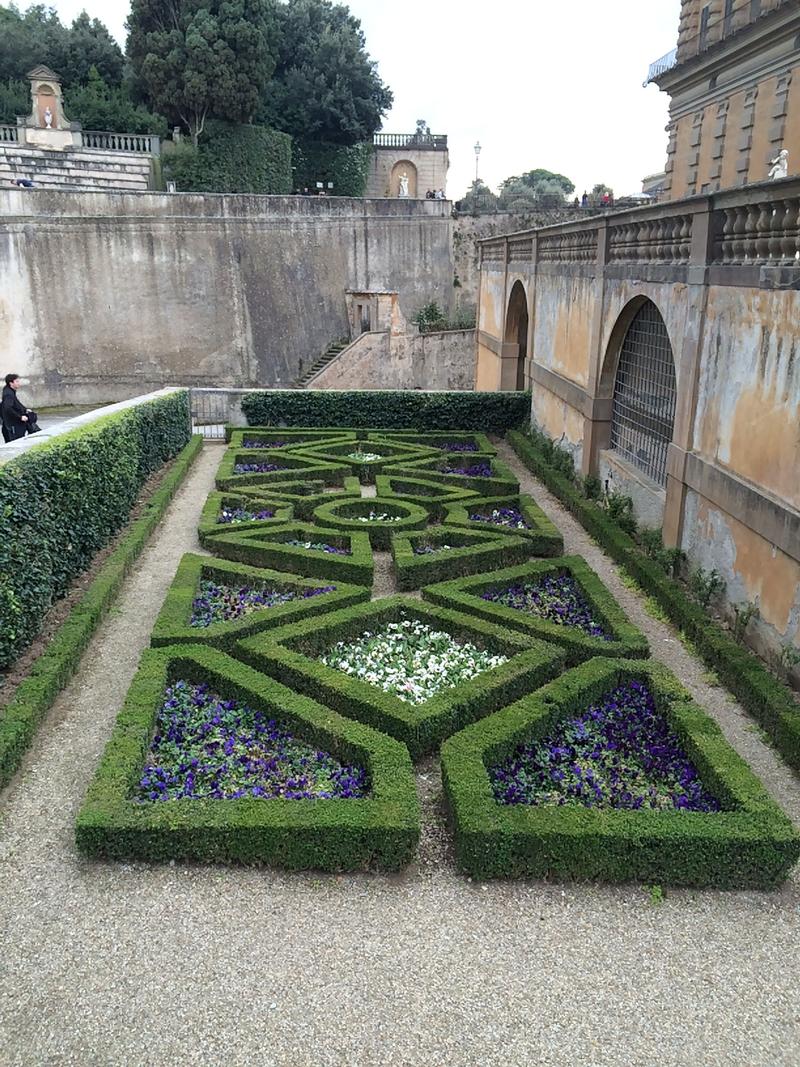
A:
(644, 395)
(210, 408)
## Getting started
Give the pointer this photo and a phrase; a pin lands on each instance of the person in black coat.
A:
(17, 419)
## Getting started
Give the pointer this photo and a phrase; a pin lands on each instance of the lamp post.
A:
(477, 160)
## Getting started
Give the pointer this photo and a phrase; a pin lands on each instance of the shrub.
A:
(545, 537)
(470, 552)
(389, 453)
(288, 467)
(64, 500)
(356, 516)
(210, 526)
(396, 409)
(429, 495)
(500, 482)
(233, 159)
(346, 166)
(705, 586)
(748, 844)
(477, 442)
(379, 831)
(284, 438)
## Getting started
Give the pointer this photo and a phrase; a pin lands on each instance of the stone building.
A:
(422, 157)
(734, 83)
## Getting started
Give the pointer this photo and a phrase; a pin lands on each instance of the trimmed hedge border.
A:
(236, 437)
(471, 552)
(265, 548)
(20, 719)
(397, 409)
(430, 495)
(503, 481)
(365, 471)
(484, 446)
(412, 517)
(290, 655)
(465, 594)
(380, 831)
(301, 468)
(304, 496)
(173, 625)
(761, 694)
(547, 539)
(208, 526)
(752, 845)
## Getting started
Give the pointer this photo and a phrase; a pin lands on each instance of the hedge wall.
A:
(347, 166)
(466, 552)
(759, 692)
(233, 159)
(64, 500)
(390, 409)
(750, 843)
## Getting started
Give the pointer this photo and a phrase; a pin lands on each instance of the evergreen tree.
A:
(37, 36)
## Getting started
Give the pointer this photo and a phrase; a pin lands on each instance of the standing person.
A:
(17, 419)
(585, 200)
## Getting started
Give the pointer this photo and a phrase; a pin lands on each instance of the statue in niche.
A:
(780, 166)
(48, 118)
(403, 185)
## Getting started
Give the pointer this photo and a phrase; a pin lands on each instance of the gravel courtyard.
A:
(107, 964)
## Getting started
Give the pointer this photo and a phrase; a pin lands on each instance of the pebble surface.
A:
(106, 964)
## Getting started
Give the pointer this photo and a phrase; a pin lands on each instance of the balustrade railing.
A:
(667, 239)
(520, 250)
(661, 66)
(9, 134)
(122, 142)
(762, 233)
(570, 246)
(424, 141)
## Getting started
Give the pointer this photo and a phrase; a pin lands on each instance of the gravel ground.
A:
(129, 964)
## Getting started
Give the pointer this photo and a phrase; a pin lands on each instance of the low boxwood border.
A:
(503, 481)
(472, 553)
(380, 534)
(209, 527)
(367, 470)
(305, 496)
(258, 548)
(51, 672)
(299, 466)
(173, 625)
(433, 496)
(759, 692)
(751, 845)
(434, 440)
(465, 594)
(380, 831)
(546, 537)
(236, 436)
(290, 655)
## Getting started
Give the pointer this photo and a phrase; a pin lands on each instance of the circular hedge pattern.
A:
(351, 515)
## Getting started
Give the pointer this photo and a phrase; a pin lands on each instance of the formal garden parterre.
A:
(278, 715)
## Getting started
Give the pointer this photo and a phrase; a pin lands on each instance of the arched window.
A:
(643, 413)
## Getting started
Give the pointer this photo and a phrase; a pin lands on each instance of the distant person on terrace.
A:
(17, 419)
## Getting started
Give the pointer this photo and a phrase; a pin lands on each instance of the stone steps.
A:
(79, 168)
(327, 357)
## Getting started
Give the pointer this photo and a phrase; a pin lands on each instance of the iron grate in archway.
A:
(643, 413)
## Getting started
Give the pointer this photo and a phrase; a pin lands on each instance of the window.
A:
(705, 16)
(643, 412)
(727, 18)
(755, 9)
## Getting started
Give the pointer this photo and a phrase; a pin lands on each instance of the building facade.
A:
(734, 83)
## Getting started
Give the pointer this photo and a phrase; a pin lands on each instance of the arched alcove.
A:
(516, 331)
(401, 167)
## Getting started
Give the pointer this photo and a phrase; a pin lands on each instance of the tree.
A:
(479, 199)
(90, 45)
(534, 178)
(98, 106)
(15, 99)
(195, 59)
(37, 36)
(599, 191)
(325, 86)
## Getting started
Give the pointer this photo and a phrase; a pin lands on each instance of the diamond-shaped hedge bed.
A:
(302, 549)
(612, 773)
(520, 516)
(379, 519)
(257, 809)
(559, 600)
(225, 512)
(293, 654)
(264, 468)
(245, 600)
(485, 475)
(284, 438)
(365, 459)
(445, 552)
(434, 497)
(305, 496)
(443, 440)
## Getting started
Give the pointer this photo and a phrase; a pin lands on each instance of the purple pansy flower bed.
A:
(458, 446)
(555, 598)
(474, 470)
(234, 515)
(207, 748)
(320, 546)
(216, 602)
(265, 444)
(256, 468)
(511, 517)
(620, 753)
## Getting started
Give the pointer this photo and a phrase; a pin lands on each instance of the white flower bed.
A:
(365, 457)
(379, 516)
(410, 660)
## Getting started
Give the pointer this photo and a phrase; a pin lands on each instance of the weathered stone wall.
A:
(426, 169)
(408, 361)
(107, 295)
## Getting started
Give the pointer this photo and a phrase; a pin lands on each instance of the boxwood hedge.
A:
(352, 516)
(305, 496)
(749, 844)
(173, 625)
(380, 831)
(432, 496)
(502, 482)
(390, 453)
(291, 654)
(290, 467)
(479, 441)
(547, 541)
(283, 438)
(468, 552)
(64, 500)
(209, 525)
(466, 594)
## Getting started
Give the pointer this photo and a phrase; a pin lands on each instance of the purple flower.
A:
(265, 444)
(236, 515)
(458, 446)
(476, 470)
(216, 602)
(257, 468)
(511, 517)
(554, 598)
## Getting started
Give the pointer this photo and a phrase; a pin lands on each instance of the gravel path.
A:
(106, 964)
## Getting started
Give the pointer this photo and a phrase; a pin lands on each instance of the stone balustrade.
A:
(9, 134)
(122, 142)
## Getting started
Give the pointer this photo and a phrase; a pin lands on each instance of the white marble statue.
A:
(780, 166)
(403, 184)
(48, 118)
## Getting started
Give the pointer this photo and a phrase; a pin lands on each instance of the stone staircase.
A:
(78, 168)
(330, 353)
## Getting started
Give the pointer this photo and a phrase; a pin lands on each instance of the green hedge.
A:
(434, 497)
(346, 166)
(770, 702)
(391, 409)
(547, 540)
(57, 664)
(64, 500)
(283, 438)
(380, 831)
(483, 446)
(173, 625)
(347, 515)
(232, 159)
(306, 503)
(466, 594)
(469, 553)
(290, 467)
(291, 654)
(209, 527)
(502, 482)
(749, 844)
(365, 470)
(267, 548)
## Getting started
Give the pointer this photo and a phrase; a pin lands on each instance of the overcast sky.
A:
(538, 83)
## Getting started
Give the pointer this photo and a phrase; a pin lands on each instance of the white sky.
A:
(540, 83)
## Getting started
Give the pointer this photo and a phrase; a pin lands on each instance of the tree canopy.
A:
(325, 86)
(38, 36)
